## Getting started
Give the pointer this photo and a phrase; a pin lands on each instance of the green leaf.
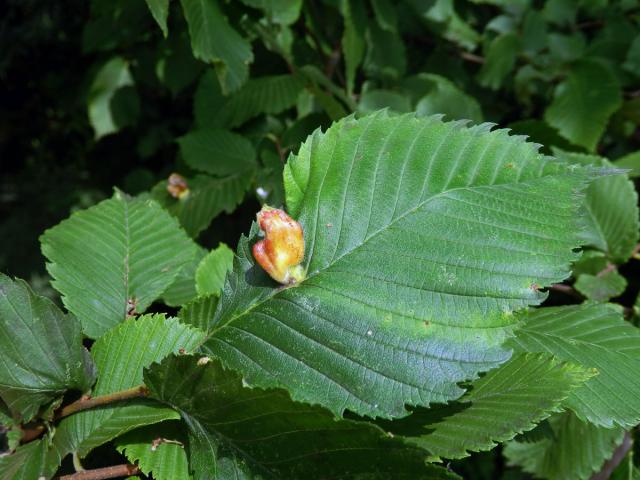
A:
(105, 108)
(160, 11)
(386, 14)
(273, 94)
(422, 238)
(158, 449)
(386, 57)
(584, 102)
(612, 210)
(183, 288)
(213, 269)
(218, 152)
(509, 400)
(373, 100)
(41, 352)
(444, 97)
(499, 61)
(448, 22)
(120, 356)
(214, 41)
(631, 161)
(601, 288)
(353, 41)
(284, 12)
(114, 258)
(263, 432)
(207, 101)
(32, 461)
(208, 197)
(593, 336)
(577, 450)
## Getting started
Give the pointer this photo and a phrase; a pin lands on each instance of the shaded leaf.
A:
(183, 288)
(584, 102)
(412, 280)
(353, 42)
(120, 356)
(41, 352)
(214, 41)
(272, 94)
(218, 152)
(577, 450)
(114, 259)
(594, 336)
(255, 432)
(160, 11)
(444, 97)
(284, 12)
(500, 59)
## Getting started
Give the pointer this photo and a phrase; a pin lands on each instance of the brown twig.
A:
(618, 455)
(470, 57)
(566, 289)
(86, 403)
(32, 433)
(103, 473)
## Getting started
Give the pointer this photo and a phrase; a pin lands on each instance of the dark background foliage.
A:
(511, 63)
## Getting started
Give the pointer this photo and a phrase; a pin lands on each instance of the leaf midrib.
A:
(335, 260)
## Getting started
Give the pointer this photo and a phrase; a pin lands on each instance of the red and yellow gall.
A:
(281, 252)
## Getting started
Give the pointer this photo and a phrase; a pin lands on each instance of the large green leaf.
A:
(114, 259)
(41, 352)
(584, 102)
(120, 356)
(594, 336)
(33, 461)
(422, 238)
(612, 210)
(218, 152)
(576, 451)
(250, 432)
(214, 41)
(208, 197)
(508, 400)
